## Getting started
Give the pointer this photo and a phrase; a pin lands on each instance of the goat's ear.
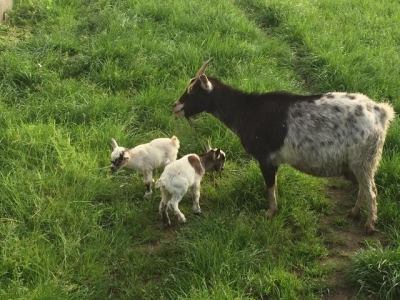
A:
(126, 154)
(217, 154)
(205, 83)
(208, 147)
(113, 143)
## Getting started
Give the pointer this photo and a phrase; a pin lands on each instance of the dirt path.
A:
(343, 237)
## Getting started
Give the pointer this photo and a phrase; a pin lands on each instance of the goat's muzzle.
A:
(177, 109)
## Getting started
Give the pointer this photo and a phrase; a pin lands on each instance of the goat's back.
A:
(156, 154)
(324, 136)
(178, 175)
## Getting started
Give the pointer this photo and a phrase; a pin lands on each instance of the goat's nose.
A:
(113, 168)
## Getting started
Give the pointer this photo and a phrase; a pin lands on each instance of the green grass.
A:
(73, 74)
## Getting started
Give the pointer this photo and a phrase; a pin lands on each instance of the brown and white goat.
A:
(325, 135)
(183, 174)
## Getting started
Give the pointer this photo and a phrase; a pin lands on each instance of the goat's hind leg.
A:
(163, 208)
(173, 205)
(367, 193)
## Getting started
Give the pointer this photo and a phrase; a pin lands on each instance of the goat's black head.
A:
(197, 97)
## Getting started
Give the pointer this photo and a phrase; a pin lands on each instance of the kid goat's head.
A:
(214, 159)
(196, 98)
(119, 156)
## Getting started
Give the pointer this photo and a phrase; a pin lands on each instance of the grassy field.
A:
(74, 74)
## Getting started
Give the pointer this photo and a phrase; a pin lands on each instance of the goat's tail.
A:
(175, 142)
(387, 114)
(159, 183)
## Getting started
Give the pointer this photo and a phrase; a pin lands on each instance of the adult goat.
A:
(325, 135)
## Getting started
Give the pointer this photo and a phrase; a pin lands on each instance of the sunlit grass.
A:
(74, 74)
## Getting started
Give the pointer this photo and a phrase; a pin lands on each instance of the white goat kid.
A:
(183, 174)
(145, 158)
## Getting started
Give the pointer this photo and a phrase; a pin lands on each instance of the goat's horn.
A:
(203, 68)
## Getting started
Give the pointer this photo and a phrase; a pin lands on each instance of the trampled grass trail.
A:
(76, 73)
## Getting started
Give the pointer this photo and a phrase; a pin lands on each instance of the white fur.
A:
(179, 176)
(146, 158)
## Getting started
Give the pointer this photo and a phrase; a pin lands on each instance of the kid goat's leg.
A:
(196, 196)
(269, 173)
(163, 208)
(173, 205)
(148, 180)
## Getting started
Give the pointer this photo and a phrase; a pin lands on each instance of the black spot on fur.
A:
(351, 120)
(335, 126)
(330, 96)
(322, 144)
(337, 108)
(331, 142)
(297, 114)
(359, 111)
(377, 108)
(383, 114)
(351, 97)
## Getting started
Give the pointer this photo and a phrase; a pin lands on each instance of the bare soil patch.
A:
(343, 237)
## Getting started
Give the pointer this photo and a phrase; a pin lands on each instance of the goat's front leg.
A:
(196, 197)
(269, 171)
(148, 180)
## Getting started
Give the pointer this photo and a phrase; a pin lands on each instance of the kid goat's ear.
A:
(217, 154)
(113, 143)
(208, 147)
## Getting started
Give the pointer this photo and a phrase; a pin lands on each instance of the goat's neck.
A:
(231, 108)
(206, 162)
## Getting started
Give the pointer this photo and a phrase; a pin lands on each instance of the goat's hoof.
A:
(182, 221)
(197, 213)
(355, 214)
(166, 224)
(369, 229)
(270, 213)
(148, 194)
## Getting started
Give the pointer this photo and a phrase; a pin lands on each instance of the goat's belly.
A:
(327, 171)
(323, 164)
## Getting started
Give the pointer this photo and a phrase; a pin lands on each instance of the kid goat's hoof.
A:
(148, 194)
(270, 213)
(369, 229)
(197, 213)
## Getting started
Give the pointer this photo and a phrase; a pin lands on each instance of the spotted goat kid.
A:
(325, 135)
(145, 158)
(183, 174)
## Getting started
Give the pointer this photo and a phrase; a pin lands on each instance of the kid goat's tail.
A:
(175, 142)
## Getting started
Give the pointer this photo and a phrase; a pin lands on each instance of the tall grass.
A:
(73, 74)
